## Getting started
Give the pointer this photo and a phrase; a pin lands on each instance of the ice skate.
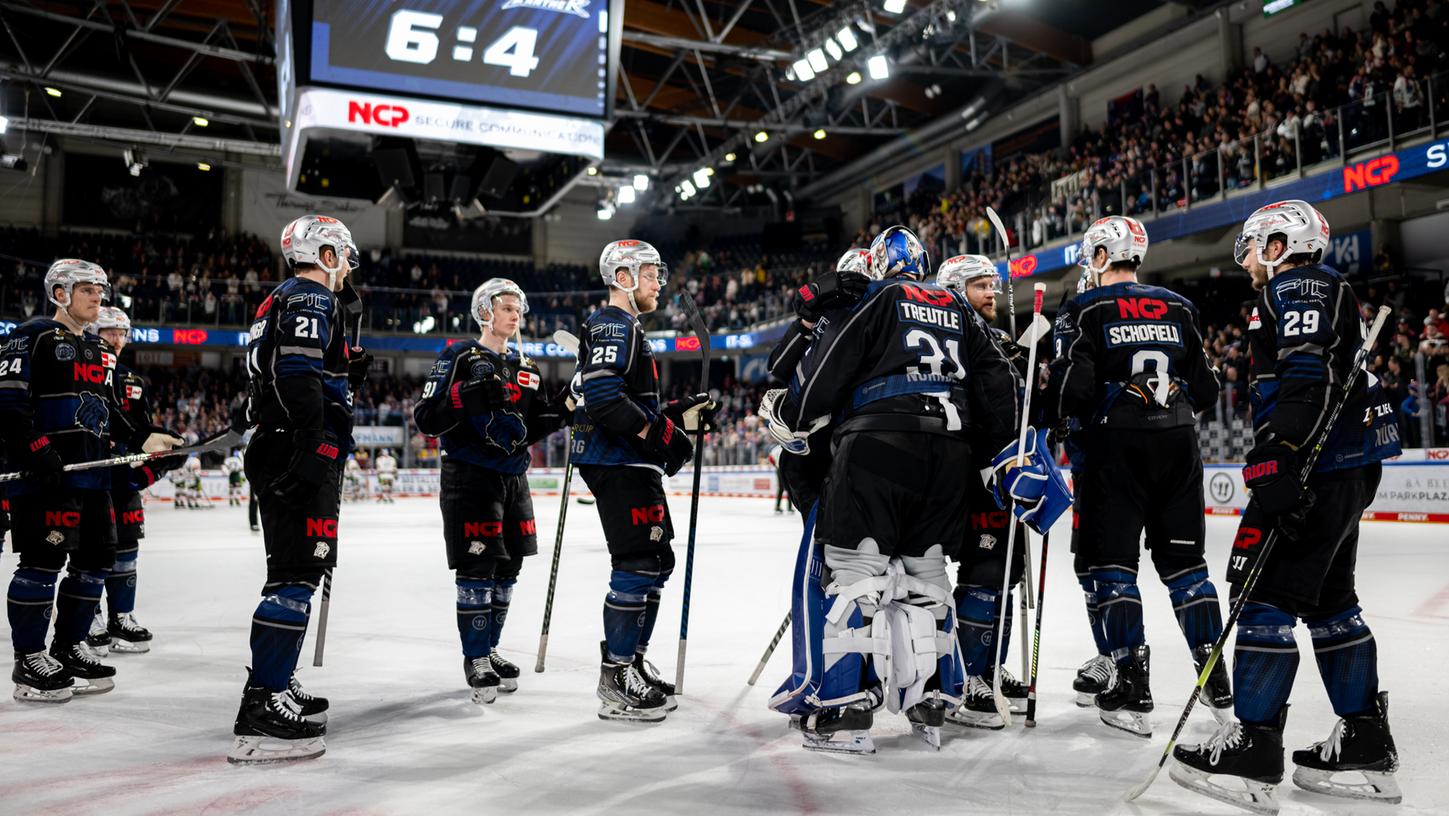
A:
(506, 670)
(840, 730)
(1013, 691)
(926, 719)
(1251, 754)
(309, 707)
(40, 678)
(978, 707)
(1359, 747)
(268, 729)
(481, 677)
(1217, 693)
(651, 676)
(91, 675)
(1127, 703)
(127, 636)
(98, 640)
(624, 694)
(1094, 677)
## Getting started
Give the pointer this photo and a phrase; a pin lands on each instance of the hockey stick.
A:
(222, 441)
(1027, 602)
(1001, 706)
(1010, 284)
(769, 650)
(1359, 358)
(352, 309)
(1046, 541)
(571, 344)
(701, 333)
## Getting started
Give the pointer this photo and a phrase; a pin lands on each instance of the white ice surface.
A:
(404, 738)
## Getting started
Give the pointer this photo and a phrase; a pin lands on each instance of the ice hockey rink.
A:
(404, 738)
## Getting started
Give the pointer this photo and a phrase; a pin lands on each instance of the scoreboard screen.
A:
(546, 55)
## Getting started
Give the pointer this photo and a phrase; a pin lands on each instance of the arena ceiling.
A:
(698, 79)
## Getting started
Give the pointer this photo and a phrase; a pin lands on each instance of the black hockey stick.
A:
(1359, 358)
(701, 332)
(222, 441)
(1010, 281)
(570, 344)
(1046, 542)
(352, 309)
(769, 650)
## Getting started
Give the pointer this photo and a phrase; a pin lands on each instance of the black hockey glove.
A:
(478, 396)
(1272, 475)
(45, 467)
(666, 441)
(691, 412)
(829, 291)
(315, 456)
(359, 360)
(144, 475)
(548, 416)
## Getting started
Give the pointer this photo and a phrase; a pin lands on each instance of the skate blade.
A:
(508, 685)
(841, 742)
(1254, 796)
(97, 685)
(1376, 785)
(966, 718)
(1133, 722)
(612, 711)
(30, 694)
(671, 703)
(130, 646)
(1017, 705)
(320, 718)
(1086, 699)
(486, 694)
(929, 734)
(102, 650)
(270, 750)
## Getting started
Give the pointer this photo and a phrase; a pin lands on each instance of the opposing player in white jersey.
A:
(235, 479)
(386, 467)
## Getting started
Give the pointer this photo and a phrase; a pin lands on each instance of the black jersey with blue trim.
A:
(617, 385)
(497, 439)
(297, 361)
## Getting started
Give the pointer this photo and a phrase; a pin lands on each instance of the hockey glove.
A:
(145, 474)
(691, 412)
(829, 291)
(665, 441)
(1022, 483)
(1272, 475)
(478, 396)
(796, 442)
(161, 440)
(45, 467)
(359, 360)
(315, 457)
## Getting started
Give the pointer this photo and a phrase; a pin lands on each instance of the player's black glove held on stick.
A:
(829, 291)
(666, 441)
(478, 396)
(359, 360)
(1272, 475)
(314, 459)
(45, 465)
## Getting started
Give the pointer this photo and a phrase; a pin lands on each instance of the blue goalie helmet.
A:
(897, 252)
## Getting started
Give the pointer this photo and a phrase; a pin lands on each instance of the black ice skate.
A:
(308, 706)
(40, 678)
(91, 675)
(506, 670)
(1094, 677)
(1252, 754)
(651, 676)
(1217, 693)
(1128, 702)
(268, 729)
(481, 677)
(926, 719)
(1360, 745)
(127, 636)
(624, 694)
(839, 730)
(1012, 690)
(978, 707)
(98, 640)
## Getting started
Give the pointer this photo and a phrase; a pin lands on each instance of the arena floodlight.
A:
(762, 137)
(626, 194)
(833, 49)
(852, 78)
(950, 15)
(641, 182)
(203, 167)
(701, 178)
(55, 92)
(605, 213)
(819, 134)
(200, 121)
(878, 67)
(688, 189)
(803, 71)
(817, 61)
(593, 171)
(4, 124)
(847, 40)
(730, 156)
(894, 6)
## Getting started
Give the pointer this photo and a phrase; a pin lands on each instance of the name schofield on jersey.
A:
(1122, 334)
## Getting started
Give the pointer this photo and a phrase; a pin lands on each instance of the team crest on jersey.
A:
(92, 414)
(1255, 322)
(480, 370)
(322, 549)
(55, 538)
(988, 541)
(656, 533)
(65, 352)
(608, 331)
(476, 547)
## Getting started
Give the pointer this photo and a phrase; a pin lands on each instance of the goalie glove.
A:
(796, 442)
(1036, 487)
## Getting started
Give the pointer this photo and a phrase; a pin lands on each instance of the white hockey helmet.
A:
(483, 296)
(1302, 229)
(1124, 238)
(112, 318)
(304, 239)
(631, 255)
(855, 259)
(68, 272)
(955, 273)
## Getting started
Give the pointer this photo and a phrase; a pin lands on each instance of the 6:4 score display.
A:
(412, 36)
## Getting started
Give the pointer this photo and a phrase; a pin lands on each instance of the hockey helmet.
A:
(955, 273)
(68, 272)
(483, 296)
(896, 252)
(855, 259)
(631, 255)
(112, 318)
(1302, 229)
(1124, 238)
(304, 239)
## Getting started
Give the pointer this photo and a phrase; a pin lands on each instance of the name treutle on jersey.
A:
(1122, 334)
(929, 315)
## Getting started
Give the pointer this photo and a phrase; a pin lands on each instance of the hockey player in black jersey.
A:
(487, 404)
(58, 407)
(921, 396)
(301, 370)
(1303, 334)
(624, 443)
(982, 557)
(1132, 371)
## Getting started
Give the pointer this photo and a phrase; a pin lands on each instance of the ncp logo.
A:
(380, 114)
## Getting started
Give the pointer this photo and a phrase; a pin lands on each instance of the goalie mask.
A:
(492, 289)
(304, 239)
(897, 252)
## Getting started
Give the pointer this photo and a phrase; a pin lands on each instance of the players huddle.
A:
(907, 442)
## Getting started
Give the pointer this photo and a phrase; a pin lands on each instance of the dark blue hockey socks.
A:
(625, 612)
(502, 598)
(1094, 615)
(1120, 603)
(651, 611)
(976, 626)
(475, 612)
(1265, 661)
(75, 607)
(1195, 603)
(32, 594)
(278, 627)
(1348, 660)
(121, 584)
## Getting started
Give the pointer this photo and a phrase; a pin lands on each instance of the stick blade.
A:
(566, 341)
(1137, 790)
(1000, 227)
